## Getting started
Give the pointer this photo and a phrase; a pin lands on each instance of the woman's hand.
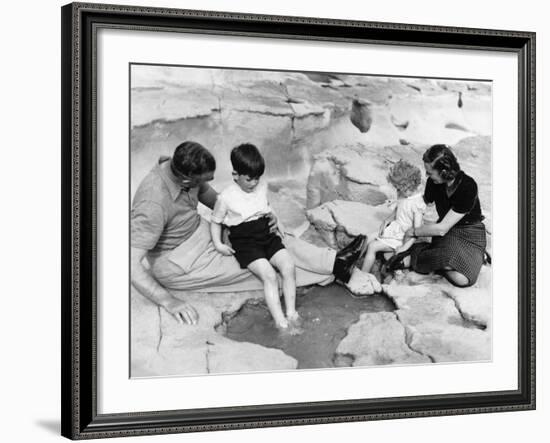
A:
(409, 233)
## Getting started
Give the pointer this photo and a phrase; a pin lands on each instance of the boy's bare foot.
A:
(294, 319)
(282, 325)
(291, 330)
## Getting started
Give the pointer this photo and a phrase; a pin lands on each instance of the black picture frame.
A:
(79, 211)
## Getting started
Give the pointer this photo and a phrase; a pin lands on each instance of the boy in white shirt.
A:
(243, 207)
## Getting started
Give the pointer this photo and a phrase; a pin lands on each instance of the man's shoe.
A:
(352, 247)
(347, 257)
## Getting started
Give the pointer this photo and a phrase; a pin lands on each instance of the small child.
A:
(408, 212)
(244, 208)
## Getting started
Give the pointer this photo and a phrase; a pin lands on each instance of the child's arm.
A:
(386, 221)
(218, 214)
(216, 233)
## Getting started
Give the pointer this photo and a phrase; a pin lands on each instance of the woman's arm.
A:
(436, 229)
(151, 289)
(408, 240)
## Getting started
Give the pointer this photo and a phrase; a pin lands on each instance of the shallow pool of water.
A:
(327, 314)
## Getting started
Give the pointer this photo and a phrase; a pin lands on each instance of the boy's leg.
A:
(263, 269)
(374, 247)
(283, 261)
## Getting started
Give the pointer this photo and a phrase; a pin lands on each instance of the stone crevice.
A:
(468, 322)
(408, 338)
(160, 328)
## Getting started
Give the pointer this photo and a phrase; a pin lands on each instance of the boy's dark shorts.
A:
(252, 240)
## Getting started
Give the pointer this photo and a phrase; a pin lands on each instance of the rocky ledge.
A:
(434, 322)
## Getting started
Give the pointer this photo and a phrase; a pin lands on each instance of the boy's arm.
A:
(218, 214)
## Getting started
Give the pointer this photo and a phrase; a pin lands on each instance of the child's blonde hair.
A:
(405, 177)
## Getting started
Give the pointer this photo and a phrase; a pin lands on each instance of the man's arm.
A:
(208, 195)
(150, 288)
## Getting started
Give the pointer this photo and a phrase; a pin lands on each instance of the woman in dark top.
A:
(458, 242)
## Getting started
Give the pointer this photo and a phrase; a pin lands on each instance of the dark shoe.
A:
(396, 262)
(347, 257)
(352, 247)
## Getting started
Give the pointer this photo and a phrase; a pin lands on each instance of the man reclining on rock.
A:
(167, 230)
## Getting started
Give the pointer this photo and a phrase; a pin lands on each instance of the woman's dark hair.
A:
(191, 158)
(247, 160)
(442, 159)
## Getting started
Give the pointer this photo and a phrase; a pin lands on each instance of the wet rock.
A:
(361, 115)
(379, 339)
(339, 217)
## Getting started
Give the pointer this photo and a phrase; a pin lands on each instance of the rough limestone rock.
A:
(288, 200)
(144, 332)
(356, 173)
(339, 221)
(162, 346)
(379, 339)
(226, 356)
(452, 343)
(170, 104)
(434, 323)
(475, 302)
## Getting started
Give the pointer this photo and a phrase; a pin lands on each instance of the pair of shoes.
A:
(347, 257)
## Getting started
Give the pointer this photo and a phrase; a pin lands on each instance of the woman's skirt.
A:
(461, 249)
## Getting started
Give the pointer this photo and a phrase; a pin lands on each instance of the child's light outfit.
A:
(245, 215)
(406, 208)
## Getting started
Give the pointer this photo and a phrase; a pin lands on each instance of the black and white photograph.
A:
(288, 220)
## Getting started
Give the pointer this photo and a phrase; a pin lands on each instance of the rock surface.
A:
(339, 221)
(162, 346)
(379, 339)
(437, 324)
